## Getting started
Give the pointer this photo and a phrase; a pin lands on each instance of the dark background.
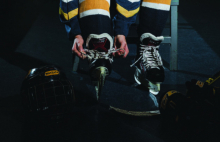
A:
(33, 36)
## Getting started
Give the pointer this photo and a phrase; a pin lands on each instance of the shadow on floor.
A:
(205, 23)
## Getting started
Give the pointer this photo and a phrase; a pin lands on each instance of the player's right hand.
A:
(120, 42)
(78, 47)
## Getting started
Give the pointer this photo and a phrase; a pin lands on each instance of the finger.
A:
(114, 52)
(115, 39)
(117, 53)
(126, 52)
(117, 45)
(76, 51)
(74, 45)
(80, 47)
(78, 54)
(123, 46)
(81, 50)
(122, 52)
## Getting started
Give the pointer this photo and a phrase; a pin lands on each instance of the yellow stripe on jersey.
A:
(159, 1)
(125, 12)
(68, 15)
(94, 4)
(65, 15)
(73, 13)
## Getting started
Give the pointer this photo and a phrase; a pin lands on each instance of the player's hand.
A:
(120, 42)
(78, 46)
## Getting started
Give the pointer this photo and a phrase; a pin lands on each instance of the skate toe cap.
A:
(156, 75)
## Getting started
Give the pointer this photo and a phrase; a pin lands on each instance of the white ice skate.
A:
(99, 54)
(149, 66)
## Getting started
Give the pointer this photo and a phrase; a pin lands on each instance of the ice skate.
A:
(149, 66)
(99, 54)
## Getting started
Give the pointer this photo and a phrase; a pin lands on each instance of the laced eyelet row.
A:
(94, 54)
(150, 58)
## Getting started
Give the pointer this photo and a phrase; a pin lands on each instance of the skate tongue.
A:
(100, 44)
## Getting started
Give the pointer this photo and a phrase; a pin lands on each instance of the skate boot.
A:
(100, 59)
(149, 66)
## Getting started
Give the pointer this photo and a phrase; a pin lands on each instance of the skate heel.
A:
(154, 87)
(100, 74)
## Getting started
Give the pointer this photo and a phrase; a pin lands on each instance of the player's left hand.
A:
(120, 42)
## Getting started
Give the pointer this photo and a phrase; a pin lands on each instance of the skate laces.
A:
(94, 54)
(150, 57)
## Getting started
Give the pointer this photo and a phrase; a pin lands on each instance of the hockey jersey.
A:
(71, 10)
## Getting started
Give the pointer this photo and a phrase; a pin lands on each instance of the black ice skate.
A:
(149, 66)
(100, 59)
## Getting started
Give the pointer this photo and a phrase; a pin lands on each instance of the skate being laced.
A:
(150, 57)
(94, 54)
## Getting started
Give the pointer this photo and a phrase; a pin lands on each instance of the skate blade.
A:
(136, 113)
(101, 73)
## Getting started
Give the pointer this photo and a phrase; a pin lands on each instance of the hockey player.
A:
(90, 21)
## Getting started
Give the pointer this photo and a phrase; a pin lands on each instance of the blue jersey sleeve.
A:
(125, 16)
(68, 14)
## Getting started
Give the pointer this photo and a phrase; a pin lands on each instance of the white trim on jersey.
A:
(157, 6)
(134, 1)
(94, 12)
(66, 1)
